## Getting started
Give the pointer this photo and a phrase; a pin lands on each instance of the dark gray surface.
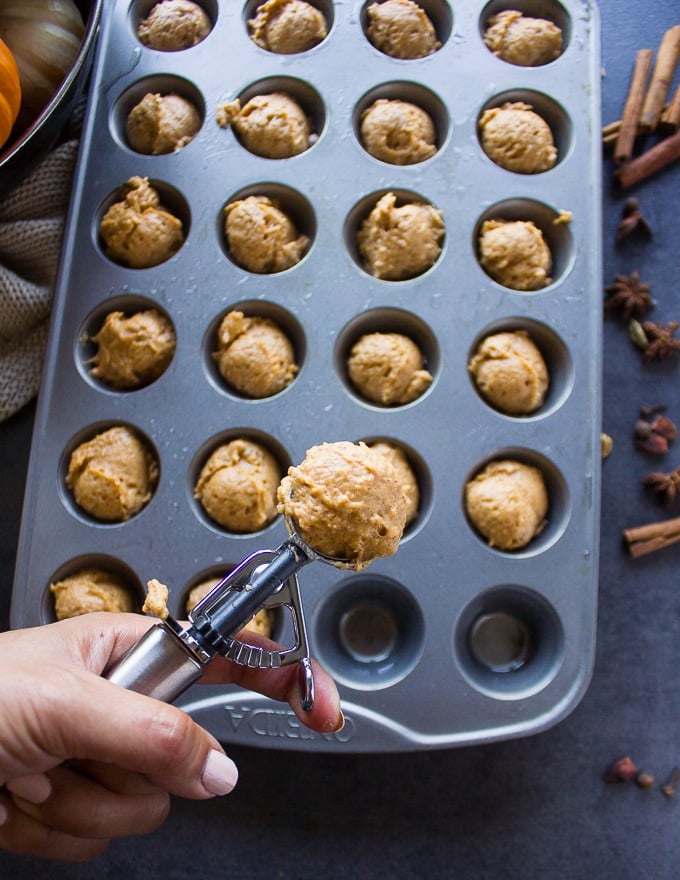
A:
(533, 807)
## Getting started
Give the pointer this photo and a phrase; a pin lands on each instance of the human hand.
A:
(83, 761)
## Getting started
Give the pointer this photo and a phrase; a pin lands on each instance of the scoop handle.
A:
(159, 665)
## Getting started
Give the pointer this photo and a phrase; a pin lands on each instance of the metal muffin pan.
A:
(448, 642)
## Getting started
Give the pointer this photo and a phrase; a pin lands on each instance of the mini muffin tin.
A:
(448, 642)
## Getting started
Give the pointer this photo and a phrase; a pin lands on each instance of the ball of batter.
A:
(401, 29)
(388, 368)
(133, 350)
(254, 355)
(507, 502)
(346, 501)
(172, 25)
(113, 475)
(523, 40)
(262, 238)
(510, 372)
(400, 242)
(273, 126)
(398, 132)
(515, 254)
(237, 486)
(405, 474)
(517, 138)
(90, 590)
(160, 124)
(287, 26)
(137, 231)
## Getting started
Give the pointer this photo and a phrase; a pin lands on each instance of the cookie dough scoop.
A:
(343, 505)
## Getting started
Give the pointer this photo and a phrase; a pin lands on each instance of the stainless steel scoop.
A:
(170, 657)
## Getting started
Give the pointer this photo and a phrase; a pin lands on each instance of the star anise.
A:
(666, 486)
(661, 340)
(632, 221)
(630, 295)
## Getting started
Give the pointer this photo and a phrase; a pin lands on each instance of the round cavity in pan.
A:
(85, 348)
(508, 642)
(554, 115)
(171, 201)
(559, 504)
(283, 319)
(555, 354)
(360, 212)
(386, 320)
(291, 202)
(101, 562)
(438, 11)
(326, 7)
(300, 91)
(369, 631)
(249, 434)
(412, 93)
(140, 9)
(550, 10)
(154, 473)
(553, 225)
(160, 84)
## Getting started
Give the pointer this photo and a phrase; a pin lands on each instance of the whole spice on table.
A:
(621, 770)
(654, 435)
(651, 537)
(645, 780)
(665, 486)
(661, 341)
(632, 220)
(629, 294)
(670, 787)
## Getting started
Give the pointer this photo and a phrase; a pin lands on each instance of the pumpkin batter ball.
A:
(262, 238)
(287, 26)
(137, 231)
(507, 502)
(273, 126)
(90, 590)
(401, 29)
(113, 475)
(346, 501)
(523, 40)
(398, 242)
(510, 373)
(517, 138)
(254, 355)
(515, 254)
(173, 25)
(160, 124)
(237, 486)
(134, 350)
(398, 132)
(388, 368)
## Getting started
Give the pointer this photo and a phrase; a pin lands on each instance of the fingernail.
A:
(220, 774)
(35, 788)
(340, 724)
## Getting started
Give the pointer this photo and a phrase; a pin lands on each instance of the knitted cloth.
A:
(31, 227)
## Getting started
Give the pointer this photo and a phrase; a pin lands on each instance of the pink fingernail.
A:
(35, 788)
(220, 774)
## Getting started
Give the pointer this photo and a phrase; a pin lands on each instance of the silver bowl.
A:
(26, 147)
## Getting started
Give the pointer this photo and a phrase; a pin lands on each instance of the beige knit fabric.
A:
(31, 228)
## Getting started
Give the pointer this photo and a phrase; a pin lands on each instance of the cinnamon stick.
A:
(652, 160)
(664, 69)
(670, 118)
(654, 536)
(632, 108)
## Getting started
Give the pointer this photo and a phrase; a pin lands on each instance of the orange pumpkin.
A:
(10, 92)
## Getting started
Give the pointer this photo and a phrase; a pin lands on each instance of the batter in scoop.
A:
(346, 501)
